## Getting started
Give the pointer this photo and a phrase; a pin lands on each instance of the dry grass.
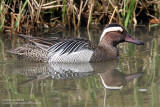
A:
(29, 14)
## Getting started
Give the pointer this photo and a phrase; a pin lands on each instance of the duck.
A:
(76, 50)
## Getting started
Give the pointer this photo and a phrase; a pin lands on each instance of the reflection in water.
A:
(116, 80)
(111, 77)
(41, 83)
(78, 70)
(61, 70)
(69, 70)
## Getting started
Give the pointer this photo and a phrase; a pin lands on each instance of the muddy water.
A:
(134, 80)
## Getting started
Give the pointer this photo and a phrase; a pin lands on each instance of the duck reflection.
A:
(79, 70)
(111, 77)
(69, 70)
(116, 79)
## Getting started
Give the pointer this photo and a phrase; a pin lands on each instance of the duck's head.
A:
(114, 34)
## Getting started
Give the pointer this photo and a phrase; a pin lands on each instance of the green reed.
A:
(2, 15)
(30, 14)
(2, 23)
(137, 96)
(129, 12)
(2, 49)
(63, 11)
(127, 15)
(153, 72)
(17, 23)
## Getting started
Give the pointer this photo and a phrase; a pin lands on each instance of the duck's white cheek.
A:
(80, 56)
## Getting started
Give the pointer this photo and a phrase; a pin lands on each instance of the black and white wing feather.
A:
(69, 46)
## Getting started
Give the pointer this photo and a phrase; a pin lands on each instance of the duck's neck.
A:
(109, 49)
(104, 53)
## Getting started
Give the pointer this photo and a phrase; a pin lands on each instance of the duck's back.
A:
(36, 49)
(52, 50)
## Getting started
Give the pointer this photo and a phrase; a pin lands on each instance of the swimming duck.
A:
(76, 50)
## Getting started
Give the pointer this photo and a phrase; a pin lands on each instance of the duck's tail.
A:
(30, 52)
(36, 49)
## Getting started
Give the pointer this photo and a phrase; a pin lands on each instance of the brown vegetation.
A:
(29, 14)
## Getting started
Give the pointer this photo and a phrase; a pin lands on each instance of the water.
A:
(37, 84)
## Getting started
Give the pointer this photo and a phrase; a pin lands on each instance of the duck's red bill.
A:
(130, 39)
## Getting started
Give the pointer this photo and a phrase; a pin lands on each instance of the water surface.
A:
(37, 84)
